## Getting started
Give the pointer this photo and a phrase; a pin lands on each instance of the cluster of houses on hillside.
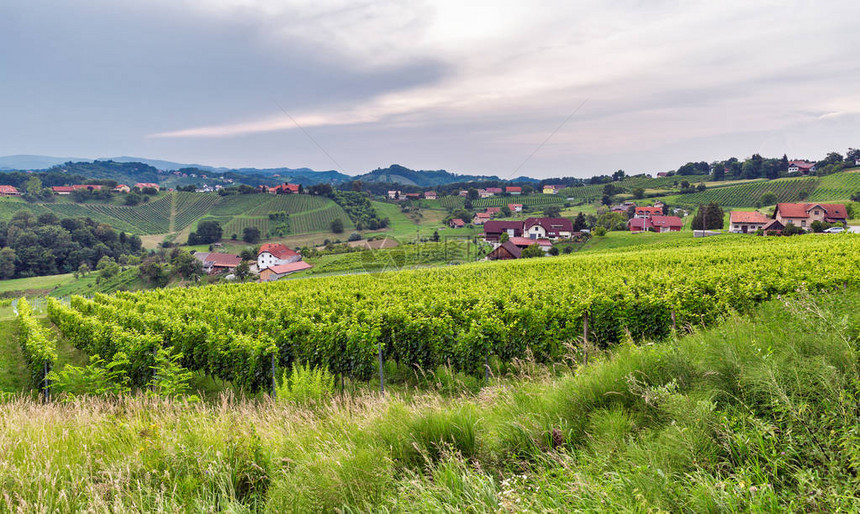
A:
(801, 215)
(274, 261)
(6, 190)
(653, 219)
(519, 234)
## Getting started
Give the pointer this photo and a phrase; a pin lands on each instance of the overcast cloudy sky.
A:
(469, 86)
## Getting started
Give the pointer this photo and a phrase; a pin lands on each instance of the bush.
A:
(599, 231)
(337, 226)
(355, 236)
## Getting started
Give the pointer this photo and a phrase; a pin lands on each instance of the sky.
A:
(506, 88)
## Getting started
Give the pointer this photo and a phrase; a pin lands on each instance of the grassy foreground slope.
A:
(758, 414)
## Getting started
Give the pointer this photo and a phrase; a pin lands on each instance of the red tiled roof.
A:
(493, 210)
(514, 206)
(62, 189)
(483, 215)
(514, 189)
(497, 227)
(458, 221)
(747, 217)
(666, 221)
(639, 223)
(8, 189)
(494, 190)
(649, 210)
(278, 250)
(290, 267)
(525, 241)
(219, 260)
(801, 210)
(144, 185)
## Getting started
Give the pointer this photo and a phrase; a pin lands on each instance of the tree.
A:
(186, 265)
(7, 263)
(769, 198)
(638, 193)
(435, 237)
(708, 217)
(251, 235)
(791, 229)
(855, 197)
(718, 171)
(132, 199)
(553, 211)
(852, 156)
(504, 237)
(553, 250)
(107, 266)
(83, 269)
(243, 270)
(599, 231)
(701, 187)
(579, 223)
(207, 232)
(505, 211)
(531, 251)
(337, 225)
(618, 176)
(472, 194)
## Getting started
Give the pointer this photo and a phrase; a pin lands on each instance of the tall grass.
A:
(757, 414)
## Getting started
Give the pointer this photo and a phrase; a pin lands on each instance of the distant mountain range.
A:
(394, 174)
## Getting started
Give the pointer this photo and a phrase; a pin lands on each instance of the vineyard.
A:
(749, 195)
(839, 186)
(319, 220)
(238, 224)
(190, 207)
(291, 204)
(460, 316)
(536, 199)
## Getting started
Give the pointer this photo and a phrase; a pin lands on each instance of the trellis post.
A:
(585, 339)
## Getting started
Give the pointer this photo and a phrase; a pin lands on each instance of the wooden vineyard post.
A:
(585, 339)
(274, 379)
(47, 384)
(381, 371)
(487, 368)
(674, 327)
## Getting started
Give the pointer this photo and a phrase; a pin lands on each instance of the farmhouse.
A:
(515, 207)
(278, 271)
(493, 210)
(481, 218)
(121, 188)
(552, 228)
(505, 251)
(655, 224)
(9, 191)
(513, 190)
(218, 262)
(456, 223)
(285, 189)
(483, 193)
(745, 222)
(802, 166)
(663, 174)
(146, 185)
(523, 242)
(493, 229)
(62, 190)
(393, 195)
(87, 187)
(773, 228)
(647, 212)
(430, 195)
(273, 254)
(803, 214)
(550, 189)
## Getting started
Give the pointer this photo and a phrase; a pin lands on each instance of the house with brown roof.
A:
(279, 271)
(456, 223)
(746, 222)
(481, 218)
(285, 189)
(493, 230)
(524, 242)
(218, 262)
(804, 214)
(9, 191)
(513, 190)
(493, 210)
(273, 254)
(505, 251)
(552, 228)
(773, 228)
(430, 195)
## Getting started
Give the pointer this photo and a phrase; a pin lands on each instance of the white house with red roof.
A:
(746, 222)
(456, 223)
(121, 188)
(551, 228)
(803, 214)
(481, 218)
(513, 190)
(62, 190)
(802, 166)
(515, 207)
(274, 254)
(145, 185)
(430, 195)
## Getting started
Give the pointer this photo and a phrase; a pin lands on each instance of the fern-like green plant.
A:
(306, 385)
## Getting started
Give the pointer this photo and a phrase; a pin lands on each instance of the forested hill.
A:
(397, 174)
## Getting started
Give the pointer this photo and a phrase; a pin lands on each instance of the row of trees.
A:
(47, 245)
